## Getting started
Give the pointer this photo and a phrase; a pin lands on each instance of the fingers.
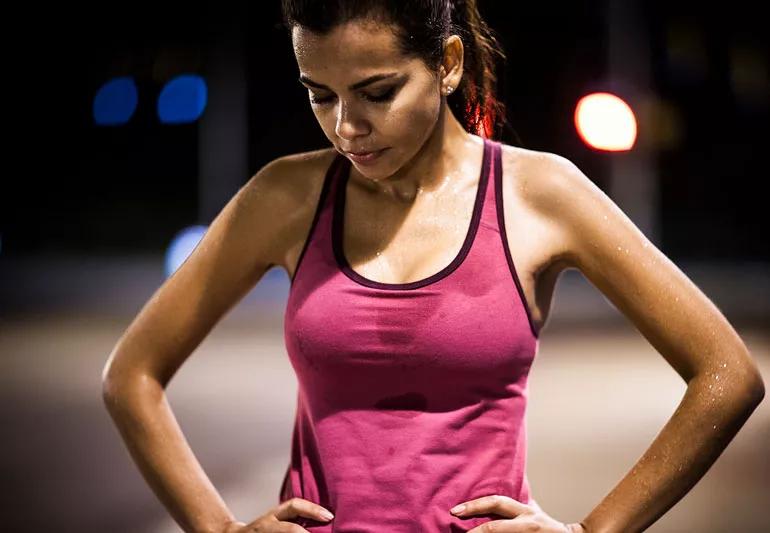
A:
(503, 526)
(294, 507)
(288, 527)
(497, 504)
(267, 523)
(270, 523)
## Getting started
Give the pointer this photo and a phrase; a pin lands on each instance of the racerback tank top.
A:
(411, 396)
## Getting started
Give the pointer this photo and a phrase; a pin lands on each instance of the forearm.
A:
(156, 443)
(704, 423)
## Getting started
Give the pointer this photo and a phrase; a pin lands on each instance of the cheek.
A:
(412, 119)
(328, 122)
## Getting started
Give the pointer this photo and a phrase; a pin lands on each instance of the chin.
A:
(371, 176)
(372, 173)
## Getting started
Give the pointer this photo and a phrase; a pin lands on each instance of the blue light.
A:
(182, 245)
(182, 99)
(115, 102)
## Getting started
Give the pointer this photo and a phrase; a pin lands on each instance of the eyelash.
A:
(387, 96)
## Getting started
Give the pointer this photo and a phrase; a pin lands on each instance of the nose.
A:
(350, 123)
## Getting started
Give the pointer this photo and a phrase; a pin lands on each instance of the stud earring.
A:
(449, 89)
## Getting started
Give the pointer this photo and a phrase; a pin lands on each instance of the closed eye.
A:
(315, 100)
(382, 97)
(378, 98)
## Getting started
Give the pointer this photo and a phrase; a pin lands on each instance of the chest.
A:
(396, 244)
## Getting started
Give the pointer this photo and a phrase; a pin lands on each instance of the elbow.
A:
(126, 396)
(111, 388)
(747, 381)
(751, 387)
(758, 388)
(753, 381)
(113, 393)
(108, 382)
(122, 389)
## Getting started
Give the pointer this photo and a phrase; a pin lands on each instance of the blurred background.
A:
(131, 129)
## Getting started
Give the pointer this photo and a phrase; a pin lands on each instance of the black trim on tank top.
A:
(338, 228)
(503, 234)
(330, 173)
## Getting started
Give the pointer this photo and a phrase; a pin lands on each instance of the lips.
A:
(363, 153)
(367, 157)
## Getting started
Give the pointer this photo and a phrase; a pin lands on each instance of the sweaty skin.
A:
(584, 229)
(559, 218)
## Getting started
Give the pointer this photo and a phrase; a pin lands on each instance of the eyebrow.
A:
(353, 87)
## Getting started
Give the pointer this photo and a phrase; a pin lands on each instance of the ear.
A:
(452, 63)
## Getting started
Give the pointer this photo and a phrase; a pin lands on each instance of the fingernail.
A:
(326, 514)
(457, 509)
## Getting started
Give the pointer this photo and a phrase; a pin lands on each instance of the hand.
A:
(525, 517)
(276, 519)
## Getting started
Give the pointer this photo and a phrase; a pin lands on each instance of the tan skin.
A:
(419, 197)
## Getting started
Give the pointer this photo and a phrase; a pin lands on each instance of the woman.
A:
(421, 276)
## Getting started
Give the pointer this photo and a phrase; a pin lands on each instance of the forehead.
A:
(355, 44)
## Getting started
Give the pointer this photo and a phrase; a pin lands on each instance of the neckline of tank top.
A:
(342, 175)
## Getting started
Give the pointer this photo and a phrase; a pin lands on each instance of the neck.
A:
(439, 162)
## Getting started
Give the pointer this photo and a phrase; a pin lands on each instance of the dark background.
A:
(83, 188)
(87, 214)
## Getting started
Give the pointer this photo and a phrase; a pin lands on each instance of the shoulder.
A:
(274, 208)
(293, 177)
(545, 180)
(584, 220)
(601, 241)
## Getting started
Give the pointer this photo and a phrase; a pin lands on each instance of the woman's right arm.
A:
(246, 238)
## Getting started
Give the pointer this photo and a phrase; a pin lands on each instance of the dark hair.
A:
(420, 28)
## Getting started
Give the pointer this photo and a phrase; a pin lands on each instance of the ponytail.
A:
(476, 102)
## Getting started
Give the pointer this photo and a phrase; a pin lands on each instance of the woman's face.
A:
(397, 112)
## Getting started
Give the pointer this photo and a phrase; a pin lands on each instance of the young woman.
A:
(422, 256)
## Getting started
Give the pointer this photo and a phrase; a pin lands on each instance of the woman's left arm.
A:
(724, 385)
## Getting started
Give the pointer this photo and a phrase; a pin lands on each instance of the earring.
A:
(449, 89)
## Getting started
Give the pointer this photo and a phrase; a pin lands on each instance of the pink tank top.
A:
(411, 397)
